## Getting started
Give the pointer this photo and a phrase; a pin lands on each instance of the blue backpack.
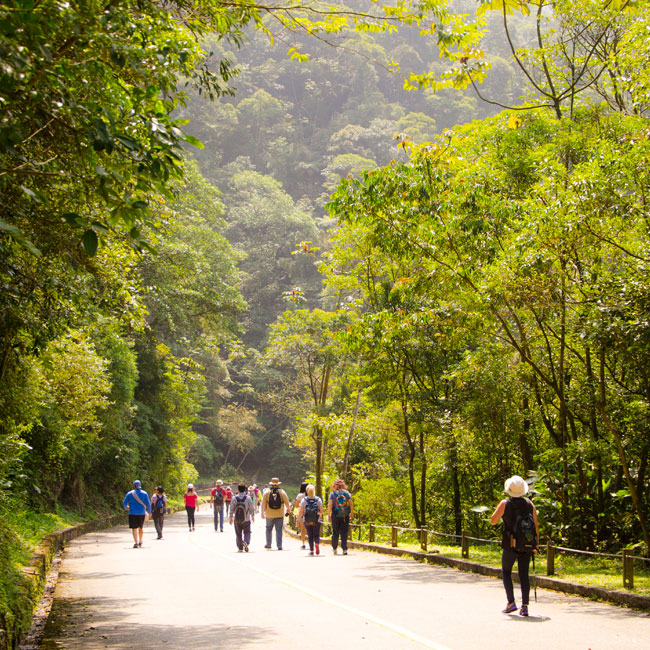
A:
(312, 511)
(341, 503)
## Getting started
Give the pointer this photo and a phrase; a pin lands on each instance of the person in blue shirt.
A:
(138, 504)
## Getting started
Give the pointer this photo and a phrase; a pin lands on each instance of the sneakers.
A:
(524, 610)
(335, 551)
(266, 546)
(345, 552)
(135, 545)
(317, 550)
(303, 547)
(240, 550)
(510, 607)
(311, 552)
(246, 547)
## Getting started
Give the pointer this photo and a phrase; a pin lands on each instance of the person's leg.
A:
(189, 516)
(310, 536)
(134, 532)
(335, 532)
(140, 535)
(247, 534)
(278, 521)
(221, 517)
(215, 515)
(345, 527)
(269, 532)
(317, 537)
(508, 558)
(238, 536)
(523, 564)
(303, 533)
(161, 521)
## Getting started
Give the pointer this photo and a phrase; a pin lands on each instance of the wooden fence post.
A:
(464, 545)
(628, 570)
(424, 536)
(550, 559)
(393, 535)
(371, 533)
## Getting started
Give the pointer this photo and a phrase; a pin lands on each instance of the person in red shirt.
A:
(191, 505)
(228, 497)
(217, 500)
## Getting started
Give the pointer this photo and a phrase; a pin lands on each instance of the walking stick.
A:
(534, 578)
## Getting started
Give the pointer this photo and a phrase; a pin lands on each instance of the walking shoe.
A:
(345, 552)
(510, 607)
(311, 552)
(246, 547)
(303, 547)
(524, 610)
(335, 551)
(139, 544)
(240, 550)
(279, 548)
(317, 550)
(266, 546)
(135, 545)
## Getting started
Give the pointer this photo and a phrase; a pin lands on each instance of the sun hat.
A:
(137, 484)
(190, 486)
(219, 482)
(515, 486)
(275, 481)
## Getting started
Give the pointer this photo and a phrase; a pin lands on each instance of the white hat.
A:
(190, 486)
(515, 486)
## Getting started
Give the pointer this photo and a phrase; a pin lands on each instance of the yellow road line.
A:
(326, 599)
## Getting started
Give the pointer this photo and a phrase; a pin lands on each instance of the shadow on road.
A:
(71, 626)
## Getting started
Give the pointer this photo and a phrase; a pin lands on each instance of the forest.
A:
(404, 244)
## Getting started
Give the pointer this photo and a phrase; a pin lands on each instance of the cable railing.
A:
(373, 533)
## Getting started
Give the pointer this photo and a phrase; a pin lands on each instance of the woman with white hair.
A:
(519, 540)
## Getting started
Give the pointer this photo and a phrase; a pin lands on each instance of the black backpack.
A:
(275, 500)
(218, 497)
(523, 537)
(312, 511)
(240, 508)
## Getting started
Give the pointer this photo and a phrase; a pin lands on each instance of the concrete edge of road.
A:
(36, 573)
(615, 596)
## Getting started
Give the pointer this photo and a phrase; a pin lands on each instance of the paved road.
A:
(194, 591)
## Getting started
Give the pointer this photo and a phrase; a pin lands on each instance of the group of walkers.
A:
(140, 507)
(240, 508)
(519, 541)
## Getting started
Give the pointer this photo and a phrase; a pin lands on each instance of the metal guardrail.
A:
(424, 534)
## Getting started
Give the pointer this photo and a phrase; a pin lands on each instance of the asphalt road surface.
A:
(195, 591)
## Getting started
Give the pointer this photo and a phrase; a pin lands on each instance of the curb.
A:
(35, 573)
(615, 596)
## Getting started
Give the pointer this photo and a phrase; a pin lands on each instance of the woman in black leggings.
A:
(508, 510)
(191, 505)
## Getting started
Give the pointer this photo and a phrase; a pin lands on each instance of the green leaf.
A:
(190, 139)
(90, 242)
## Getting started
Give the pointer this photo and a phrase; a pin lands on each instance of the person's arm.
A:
(287, 503)
(125, 503)
(320, 509)
(265, 498)
(498, 513)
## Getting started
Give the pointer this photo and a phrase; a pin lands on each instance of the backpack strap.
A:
(138, 499)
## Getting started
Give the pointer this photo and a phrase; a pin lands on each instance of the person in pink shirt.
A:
(191, 505)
